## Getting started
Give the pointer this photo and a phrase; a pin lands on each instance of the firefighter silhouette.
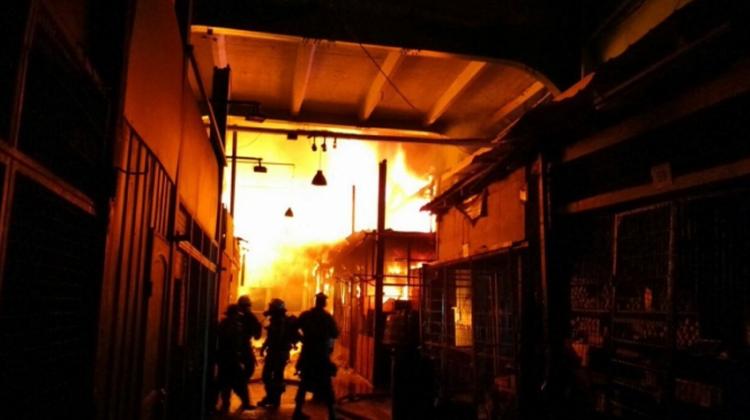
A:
(229, 357)
(281, 336)
(315, 368)
(250, 329)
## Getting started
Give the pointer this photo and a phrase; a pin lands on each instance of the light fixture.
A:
(334, 142)
(259, 168)
(289, 212)
(319, 179)
(292, 135)
(314, 146)
(252, 111)
(323, 146)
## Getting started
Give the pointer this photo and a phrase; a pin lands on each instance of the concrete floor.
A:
(354, 396)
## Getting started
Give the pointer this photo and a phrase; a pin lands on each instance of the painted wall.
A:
(140, 292)
(503, 225)
(155, 80)
(198, 174)
(162, 108)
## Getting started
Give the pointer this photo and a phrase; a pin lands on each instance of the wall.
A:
(198, 174)
(54, 168)
(155, 82)
(159, 295)
(503, 225)
(615, 39)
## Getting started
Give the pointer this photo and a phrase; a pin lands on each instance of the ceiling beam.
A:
(219, 51)
(732, 83)
(301, 75)
(294, 39)
(722, 173)
(459, 84)
(340, 135)
(516, 104)
(239, 109)
(375, 93)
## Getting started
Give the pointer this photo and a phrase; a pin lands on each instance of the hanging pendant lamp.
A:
(319, 179)
(289, 212)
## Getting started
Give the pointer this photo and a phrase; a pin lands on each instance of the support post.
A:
(380, 363)
(220, 100)
(354, 208)
(233, 183)
(242, 275)
(535, 334)
(220, 103)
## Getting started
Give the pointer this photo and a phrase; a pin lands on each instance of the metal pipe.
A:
(380, 362)
(259, 160)
(234, 173)
(217, 138)
(242, 275)
(354, 209)
(468, 141)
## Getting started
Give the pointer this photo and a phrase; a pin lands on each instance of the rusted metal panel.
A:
(502, 226)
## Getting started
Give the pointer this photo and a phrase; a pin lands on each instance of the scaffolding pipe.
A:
(234, 173)
(354, 202)
(380, 362)
(341, 135)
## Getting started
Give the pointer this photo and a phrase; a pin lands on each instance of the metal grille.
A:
(48, 306)
(470, 323)
(10, 53)
(713, 266)
(680, 289)
(64, 116)
(496, 315)
(434, 306)
(642, 259)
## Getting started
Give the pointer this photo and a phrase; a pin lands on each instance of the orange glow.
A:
(395, 292)
(395, 268)
(321, 214)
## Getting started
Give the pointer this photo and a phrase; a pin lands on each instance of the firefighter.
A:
(315, 368)
(229, 356)
(250, 329)
(281, 336)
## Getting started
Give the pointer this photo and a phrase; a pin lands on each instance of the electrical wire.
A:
(347, 28)
(387, 78)
(251, 141)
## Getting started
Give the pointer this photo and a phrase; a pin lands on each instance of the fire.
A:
(321, 214)
(395, 292)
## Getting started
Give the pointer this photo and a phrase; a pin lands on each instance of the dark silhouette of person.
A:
(281, 336)
(577, 398)
(229, 357)
(250, 329)
(315, 368)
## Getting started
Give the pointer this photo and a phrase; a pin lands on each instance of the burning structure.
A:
(349, 276)
(586, 162)
(579, 244)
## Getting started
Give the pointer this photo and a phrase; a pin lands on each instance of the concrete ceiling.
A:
(549, 36)
(308, 83)
(433, 68)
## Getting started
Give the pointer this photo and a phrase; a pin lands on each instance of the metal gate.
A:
(471, 323)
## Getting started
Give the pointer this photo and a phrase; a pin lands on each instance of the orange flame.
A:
(321, 214)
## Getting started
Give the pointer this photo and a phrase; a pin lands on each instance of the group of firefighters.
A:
(315, 329)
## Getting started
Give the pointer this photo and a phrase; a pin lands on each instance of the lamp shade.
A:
(319, 179)
(289, 212)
